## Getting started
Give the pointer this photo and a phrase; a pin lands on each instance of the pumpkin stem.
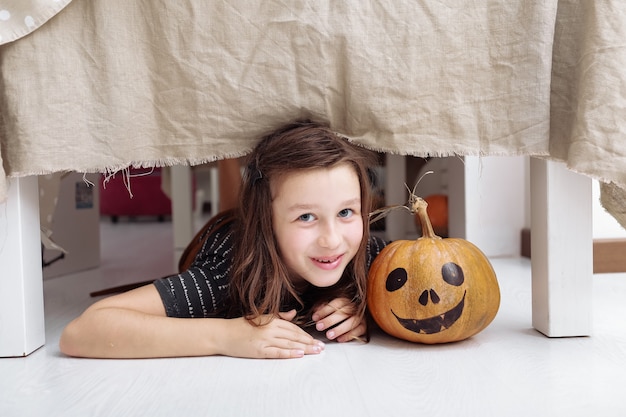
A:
(415, 205)
(419, 206)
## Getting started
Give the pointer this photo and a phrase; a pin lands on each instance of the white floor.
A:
(507, 370)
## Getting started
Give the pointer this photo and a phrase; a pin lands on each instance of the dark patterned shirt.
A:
(202, 290)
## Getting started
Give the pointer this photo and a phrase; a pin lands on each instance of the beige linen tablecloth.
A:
(106, 84)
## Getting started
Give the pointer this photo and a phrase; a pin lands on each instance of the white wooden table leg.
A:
(561, 250)
(22, 328)
(182, 209)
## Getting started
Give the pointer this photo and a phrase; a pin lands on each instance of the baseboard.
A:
(609, 255)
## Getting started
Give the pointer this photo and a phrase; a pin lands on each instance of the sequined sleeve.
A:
(201, 290)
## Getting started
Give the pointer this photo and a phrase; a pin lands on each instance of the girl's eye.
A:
(306, 217)
(346, 213)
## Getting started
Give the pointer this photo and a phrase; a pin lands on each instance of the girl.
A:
(295, 252)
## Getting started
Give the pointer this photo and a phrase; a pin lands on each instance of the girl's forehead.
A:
(311, 174)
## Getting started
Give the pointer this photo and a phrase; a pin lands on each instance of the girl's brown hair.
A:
(261, 282)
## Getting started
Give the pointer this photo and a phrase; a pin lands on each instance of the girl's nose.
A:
(329, 237)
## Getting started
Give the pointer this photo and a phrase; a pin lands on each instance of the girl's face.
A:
(317, 222)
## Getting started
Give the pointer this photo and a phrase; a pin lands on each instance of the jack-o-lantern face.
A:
(451, 274)
(432, 290)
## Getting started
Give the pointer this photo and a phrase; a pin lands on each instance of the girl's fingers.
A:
(278, 353)
(344, 327)
(358, 332)
(331, 320)
(333, 313)
(350, 333)
(283, 349)
(337, 317)
(337, 305)
(269, 337)
(290, 338)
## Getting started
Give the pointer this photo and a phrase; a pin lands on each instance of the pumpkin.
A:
(432, 290)
(437, 213)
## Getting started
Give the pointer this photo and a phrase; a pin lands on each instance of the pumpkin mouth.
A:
(434, 324)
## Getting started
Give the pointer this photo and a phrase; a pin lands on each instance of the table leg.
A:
(561, 250)
(22, 328)
(182, 209)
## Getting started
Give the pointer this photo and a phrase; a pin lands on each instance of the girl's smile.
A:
(317, 222)
(328, 263)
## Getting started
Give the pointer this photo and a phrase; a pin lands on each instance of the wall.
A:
(488, 202)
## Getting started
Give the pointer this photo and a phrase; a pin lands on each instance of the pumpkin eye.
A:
(452, 274)
(396, 279)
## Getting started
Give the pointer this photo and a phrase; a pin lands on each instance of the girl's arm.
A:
(134, 325)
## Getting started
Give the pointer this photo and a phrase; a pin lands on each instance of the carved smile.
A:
(433, 324)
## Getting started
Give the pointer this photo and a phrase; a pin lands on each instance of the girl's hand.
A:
(270, 337)
(340, 313)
